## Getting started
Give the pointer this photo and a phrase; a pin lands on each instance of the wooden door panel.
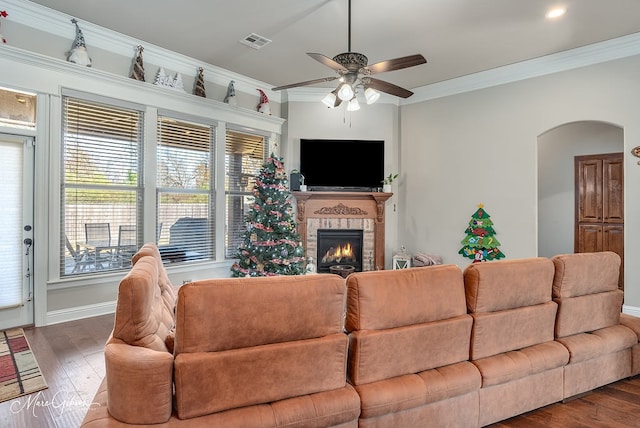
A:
(613, 190)
(589, 192)
(589, 238)
(613, 240)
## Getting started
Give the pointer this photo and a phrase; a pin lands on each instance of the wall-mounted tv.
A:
(342, 165)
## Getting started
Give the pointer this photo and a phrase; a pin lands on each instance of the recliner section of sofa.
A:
(585, 286)
(282, 338)
(429, 346)
(394, 319)
(512, 341)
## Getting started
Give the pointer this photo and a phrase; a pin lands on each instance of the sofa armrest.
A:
(631, 322)
(140, 383)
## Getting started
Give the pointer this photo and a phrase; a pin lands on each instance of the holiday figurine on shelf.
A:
(78, 53)
(199, 89)
(231, 95)
(137, 73)
(270, 244)
(3, 14)
(480, 243)
(264, 106)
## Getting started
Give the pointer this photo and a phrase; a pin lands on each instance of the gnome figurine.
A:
(231, 95)
(264, 106)
(78, 53)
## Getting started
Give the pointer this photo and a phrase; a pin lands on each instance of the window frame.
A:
(169, 257)
(88, 101)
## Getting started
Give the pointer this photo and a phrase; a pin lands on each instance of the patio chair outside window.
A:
(98, 243)
(127, 245)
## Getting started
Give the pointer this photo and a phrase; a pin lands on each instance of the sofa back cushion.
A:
(247, 341)
(394, 317)
(510, 301)
(585, 287)
(508, 284)
(142, 317)
(231, 313)
(167, 289)
(580, 274)
(379, 300)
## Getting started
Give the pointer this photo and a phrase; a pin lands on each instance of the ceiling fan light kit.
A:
(353, 73)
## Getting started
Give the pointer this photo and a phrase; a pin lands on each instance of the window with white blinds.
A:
(185, 199)
(101, 206)
(244, 156)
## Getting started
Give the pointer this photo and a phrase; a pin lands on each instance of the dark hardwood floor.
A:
(71, 358)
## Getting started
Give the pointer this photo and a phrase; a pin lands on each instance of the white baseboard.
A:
(631, 310)
(80, 312)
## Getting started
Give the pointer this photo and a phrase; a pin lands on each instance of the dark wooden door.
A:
(599, 189)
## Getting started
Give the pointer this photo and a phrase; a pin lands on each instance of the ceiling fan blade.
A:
(328, 62)
(396, 64)
(388, 88)
(305, 83)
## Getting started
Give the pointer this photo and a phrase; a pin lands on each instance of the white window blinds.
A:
(244, 156)
(185, 200)
(11, 248)
(101, 186)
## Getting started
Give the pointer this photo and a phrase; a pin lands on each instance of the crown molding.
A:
(51, 21)
(59, 24)
(609, 50)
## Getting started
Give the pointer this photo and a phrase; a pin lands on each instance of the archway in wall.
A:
(556, 200)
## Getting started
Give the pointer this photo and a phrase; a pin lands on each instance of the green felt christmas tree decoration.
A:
(270, 245)
(480, 243)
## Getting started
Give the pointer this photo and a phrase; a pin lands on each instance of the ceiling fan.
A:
(352, 71)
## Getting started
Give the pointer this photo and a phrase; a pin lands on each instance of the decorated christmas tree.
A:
(270, 245)
(480, 243)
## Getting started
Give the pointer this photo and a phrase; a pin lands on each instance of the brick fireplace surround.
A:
(344, 210)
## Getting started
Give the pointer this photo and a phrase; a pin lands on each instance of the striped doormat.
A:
(19, 370)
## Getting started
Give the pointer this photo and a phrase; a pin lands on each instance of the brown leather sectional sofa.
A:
(433, 346)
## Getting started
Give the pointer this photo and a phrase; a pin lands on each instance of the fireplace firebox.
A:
(339, 247)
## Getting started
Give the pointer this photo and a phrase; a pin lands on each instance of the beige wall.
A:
(481, 147)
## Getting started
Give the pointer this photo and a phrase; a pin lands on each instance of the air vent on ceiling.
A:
(255, 41)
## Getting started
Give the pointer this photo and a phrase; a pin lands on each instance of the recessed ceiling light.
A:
(556, 12)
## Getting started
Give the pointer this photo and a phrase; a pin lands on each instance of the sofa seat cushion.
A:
(513, 365)
(586, 346)
(410, 391)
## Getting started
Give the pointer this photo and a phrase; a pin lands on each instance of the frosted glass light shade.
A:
(345, 93)
(329, 100)
(371, 95)
(353, 105)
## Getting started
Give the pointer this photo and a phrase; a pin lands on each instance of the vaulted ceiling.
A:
(458, 37)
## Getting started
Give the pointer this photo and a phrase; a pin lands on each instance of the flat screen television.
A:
(342, 165)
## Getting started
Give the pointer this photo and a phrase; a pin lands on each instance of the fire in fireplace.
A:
(339, 247)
